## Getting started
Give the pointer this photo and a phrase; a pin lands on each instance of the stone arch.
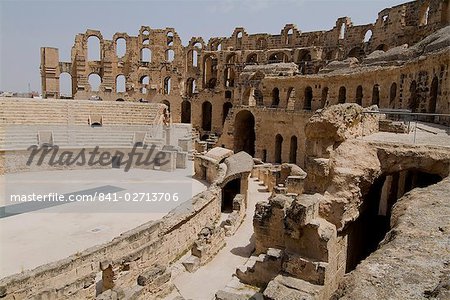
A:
(121, 47)
(324, 97)
(120, 83)
(278, 148)
(227, 106)
(229, 77)
(413, 103)
(167, 85)
(146, 55)
(392, 95)
(376, 95)
(359, 95)
(185, 112)
(207, 116)
(356, 52)
(170, 55)
(170, 38)
(433, 95)
(308, 98)
(210, 71)
(293, 150)
(275, 97)
(65, 85)
(303, 55)
(342, 95)
(278, 57)
(252, 58)
(368, 36)
(144, 82)
(95, 81)
(229, 191)
(342, 31)
(244, 132)
(191, 87)
(93, 48)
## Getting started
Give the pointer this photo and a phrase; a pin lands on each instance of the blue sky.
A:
(25, 26)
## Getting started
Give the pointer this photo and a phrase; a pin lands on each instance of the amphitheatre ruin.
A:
(300, 165)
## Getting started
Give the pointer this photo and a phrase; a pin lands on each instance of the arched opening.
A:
(227, 106)
(290, 98)
(167, 87)
(244, 132)
(367, 36)
(228, 94)
(279, 57)
(121, 47)
(194, 58)
(185, 112)
(252, 59)
(170, 38)
(166, 103)
(210, 71)
(120, 100)
(289, 35)
(365, 234)
(376, 95)
(120, 84)
(145, 42)
(308, 98)
(239, 40)
(275, 97)
(278, 148)
(264, 155)
(146, 55)
(191, 87)
(229, 77)
(65, 86)
(342, 32)
(144, 81)
(231, 59)
(342, 95)
(206, 116)
(229, 191)
(94, 81)
(359, 95)
(93, 48)
(356, 52)
(303, 55)
(170, 55)
(293, 150)
(392, 95)
(324, 97)
(413, 103)
(433, 95)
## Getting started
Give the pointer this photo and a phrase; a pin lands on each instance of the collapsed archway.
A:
(244, 132)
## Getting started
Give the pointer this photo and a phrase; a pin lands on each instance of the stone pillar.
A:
(385, 191)
(401, 184)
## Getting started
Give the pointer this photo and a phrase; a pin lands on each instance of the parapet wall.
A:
(155, 243)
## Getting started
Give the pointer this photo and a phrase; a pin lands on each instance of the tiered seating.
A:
(21, 120)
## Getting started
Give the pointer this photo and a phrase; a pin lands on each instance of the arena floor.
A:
(36, 233)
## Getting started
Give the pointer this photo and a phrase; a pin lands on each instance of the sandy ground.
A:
(208, 279)
(31, 239)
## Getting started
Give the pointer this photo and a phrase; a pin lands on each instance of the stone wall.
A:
(130, 254)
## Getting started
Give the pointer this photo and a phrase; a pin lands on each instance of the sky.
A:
(25, 26)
